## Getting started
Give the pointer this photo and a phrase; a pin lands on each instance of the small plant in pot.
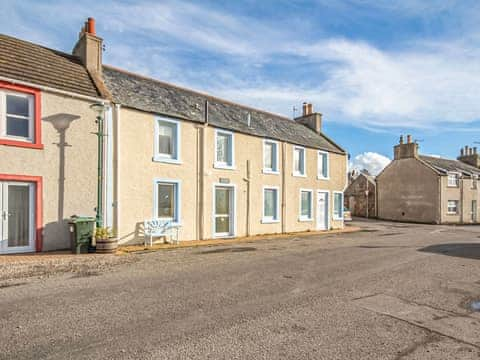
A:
(106, 241)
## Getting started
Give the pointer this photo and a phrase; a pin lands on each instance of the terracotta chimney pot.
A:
(91, 26)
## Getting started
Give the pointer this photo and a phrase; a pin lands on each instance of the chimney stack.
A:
(310, 119)
(469, 156)
(405, 150)
(89, 47)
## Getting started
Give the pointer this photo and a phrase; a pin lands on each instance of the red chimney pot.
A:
(91, 26)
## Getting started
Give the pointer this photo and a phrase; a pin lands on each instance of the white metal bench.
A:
(161, 228)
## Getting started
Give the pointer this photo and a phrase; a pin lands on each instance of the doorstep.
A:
(239, 240)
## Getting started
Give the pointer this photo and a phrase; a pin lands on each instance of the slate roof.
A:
(446, 165)
(25, 61)
(158, 97)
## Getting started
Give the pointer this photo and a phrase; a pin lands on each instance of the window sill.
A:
(452, 213)
(270, 221)
(270, 172)
(223, 167)
(323, 178)
(299, 175)
(337, 218)
(453, 186)
(23, 144)
(305, 219)
(166, 160)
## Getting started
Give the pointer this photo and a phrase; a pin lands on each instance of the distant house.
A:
(210, 167)
(428, 189)
(360, 195)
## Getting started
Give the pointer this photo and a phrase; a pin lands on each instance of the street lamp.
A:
(99, 109)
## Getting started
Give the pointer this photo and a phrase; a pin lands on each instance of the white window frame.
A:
(3, 115)
(319, 161)
(174, 159)
(275, 170)
(456, 207)
(177, 219)
(336, 217)
(222, 165)
(276, 218)
(457, 179)
(295, 172)
(300, 216)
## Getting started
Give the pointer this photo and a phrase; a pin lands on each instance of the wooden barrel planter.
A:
(107, 245)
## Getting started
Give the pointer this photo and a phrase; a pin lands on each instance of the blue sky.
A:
(374, 68)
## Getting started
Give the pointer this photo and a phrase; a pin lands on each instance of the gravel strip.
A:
(48, 266)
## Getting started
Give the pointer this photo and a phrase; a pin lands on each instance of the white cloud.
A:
(422, 84)
(371, 161)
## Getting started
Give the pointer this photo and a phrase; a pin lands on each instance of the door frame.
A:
(327, 208)
(38, 204)
(233, 211)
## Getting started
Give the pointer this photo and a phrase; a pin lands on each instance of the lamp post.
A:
(99, 109)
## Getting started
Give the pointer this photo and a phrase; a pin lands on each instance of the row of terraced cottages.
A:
(212, 167)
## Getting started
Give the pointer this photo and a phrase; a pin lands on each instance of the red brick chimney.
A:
(89, 47)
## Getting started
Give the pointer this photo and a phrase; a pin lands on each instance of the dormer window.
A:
(453, 180)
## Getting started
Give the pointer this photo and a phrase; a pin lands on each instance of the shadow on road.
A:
(464, 250)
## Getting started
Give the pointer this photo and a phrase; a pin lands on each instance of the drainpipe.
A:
(247, 180)
(461, 199)
(116, 167)
(284, 209)
(440, 204)
(201, 174)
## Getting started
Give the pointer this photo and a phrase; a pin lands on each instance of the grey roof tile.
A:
(154, 96)
(446, 165)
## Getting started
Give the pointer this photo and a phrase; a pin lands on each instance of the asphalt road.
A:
(392, 291)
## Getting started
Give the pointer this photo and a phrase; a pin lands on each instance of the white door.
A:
(17, 211)
(224, 211)
(322, 210)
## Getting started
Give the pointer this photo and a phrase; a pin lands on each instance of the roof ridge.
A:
(197, 92)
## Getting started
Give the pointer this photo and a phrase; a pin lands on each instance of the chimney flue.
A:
(409, 139)
(310, 108)
(462, 152)
(305, 109)
(91, 26)
(401, 139)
